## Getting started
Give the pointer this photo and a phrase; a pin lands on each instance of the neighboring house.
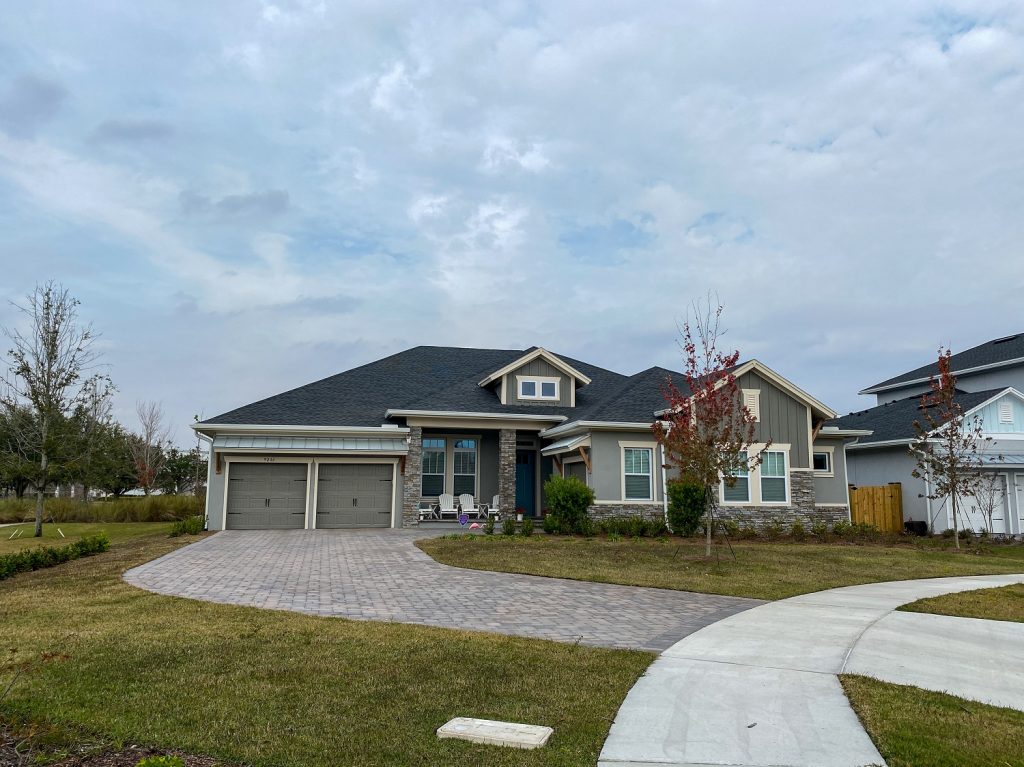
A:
(989, 381)
(372, 446)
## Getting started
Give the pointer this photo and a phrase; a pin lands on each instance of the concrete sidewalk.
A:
(760, 688)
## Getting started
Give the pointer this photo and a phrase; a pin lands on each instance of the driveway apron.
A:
(382, 576)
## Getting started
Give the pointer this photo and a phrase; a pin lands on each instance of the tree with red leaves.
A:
(706, 432)
(947, 443)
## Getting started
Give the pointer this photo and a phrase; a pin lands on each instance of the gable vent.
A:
(1006, 411)
(752, 402)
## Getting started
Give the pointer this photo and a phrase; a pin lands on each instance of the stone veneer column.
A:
(507, 470)
(801, 490)
(411, 478)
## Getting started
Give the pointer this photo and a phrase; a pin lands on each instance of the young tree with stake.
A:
(149, 447)
(706, 431)
(947, 443)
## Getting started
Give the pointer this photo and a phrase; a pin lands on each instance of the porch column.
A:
(507, 470)
(411, 478)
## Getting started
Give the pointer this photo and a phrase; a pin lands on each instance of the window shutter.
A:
(1006, 411)
(752, 402)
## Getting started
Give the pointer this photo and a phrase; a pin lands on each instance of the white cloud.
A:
(503, 153)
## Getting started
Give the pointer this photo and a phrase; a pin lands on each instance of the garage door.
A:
(353, 495)
(266, 496)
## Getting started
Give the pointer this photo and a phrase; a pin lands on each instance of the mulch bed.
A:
(15, 752)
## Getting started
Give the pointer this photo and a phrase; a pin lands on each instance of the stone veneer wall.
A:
(645, 510)
(802, 507)
(507, 471)
(411, 478)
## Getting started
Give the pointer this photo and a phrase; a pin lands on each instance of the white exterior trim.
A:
(243, 428)
(461, 414)
(831, 451)
(566, 428)
(538, 380)
(882, 443)
(646, 445)
(553, 360)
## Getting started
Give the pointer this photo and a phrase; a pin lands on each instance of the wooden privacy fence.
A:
(878, 506)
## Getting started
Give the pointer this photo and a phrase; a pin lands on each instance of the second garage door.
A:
(354, 495)
(266, 496)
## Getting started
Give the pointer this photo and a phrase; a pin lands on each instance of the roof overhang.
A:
(394, 445)
(816, 406)
(567, 445)
(573, 426)
(544, 354)
(213, 429)
(965, 371)
(880, 443)
(834, 432)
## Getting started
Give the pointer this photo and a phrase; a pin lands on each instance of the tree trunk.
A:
(956, 526)
(709, 513)
(44, 463)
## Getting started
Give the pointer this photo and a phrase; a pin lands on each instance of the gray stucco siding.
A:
(783, 420)
(539, 367)
(606, 463)
(829, 490)
(880, 466)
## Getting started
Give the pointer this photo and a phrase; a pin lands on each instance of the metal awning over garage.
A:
(566, 445)
(369, 445)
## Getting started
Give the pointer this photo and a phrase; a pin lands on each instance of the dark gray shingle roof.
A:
(895, 420)
(988, 353)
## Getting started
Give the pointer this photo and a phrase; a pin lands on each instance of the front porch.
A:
(502, 469)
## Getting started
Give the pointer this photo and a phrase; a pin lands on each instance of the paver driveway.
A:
(381, 575)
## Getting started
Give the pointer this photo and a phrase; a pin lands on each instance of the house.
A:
(375, 445)
(989, 382)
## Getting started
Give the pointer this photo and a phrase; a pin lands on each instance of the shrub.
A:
(155, 508)
(819, 530)
(568, 501)
(687, 503)
(773, 529)
(551, 525)
(489, 525)
(656, 528)
(189, 526)
(731, 528)
(160, 761)
(48, 556)
(508, 526)
(747, 531)
(526, 528)
(842, 529)
(797, 531)
(614, 537)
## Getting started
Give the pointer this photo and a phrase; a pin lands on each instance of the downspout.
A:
(664, 487)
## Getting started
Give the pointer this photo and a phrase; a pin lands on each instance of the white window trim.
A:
(444, 471)
(622, 471)
(831, 472)
(789, 497)
(572, 461)
(449, 462)
(752, 401)
(476, 464)
(754, 480)
(520, 380)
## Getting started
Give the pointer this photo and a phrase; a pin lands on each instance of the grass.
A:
(1000, 604)
(155, 508)
(275, 688)
(116, 531)
(913, 727)
(761, 570)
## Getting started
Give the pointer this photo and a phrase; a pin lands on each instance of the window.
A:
(464, 466)
(537, 387)
(637, 468)
(752, 402)
(739, 492)
(433, 467)
(823, 462)
(773, 477)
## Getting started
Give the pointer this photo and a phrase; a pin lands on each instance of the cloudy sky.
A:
(247, 196)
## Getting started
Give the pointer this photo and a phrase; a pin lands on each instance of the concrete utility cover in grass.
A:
(495, 733)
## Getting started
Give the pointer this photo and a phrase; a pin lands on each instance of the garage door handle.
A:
(355, 501)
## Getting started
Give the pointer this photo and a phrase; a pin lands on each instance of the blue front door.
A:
(526, 482)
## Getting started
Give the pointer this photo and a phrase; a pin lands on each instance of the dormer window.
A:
(538, 388)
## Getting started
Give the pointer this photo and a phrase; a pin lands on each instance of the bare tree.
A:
(47, 362)
(947, 443)
(988, 492)
(150, 444)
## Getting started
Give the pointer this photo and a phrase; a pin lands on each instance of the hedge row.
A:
(48, 556)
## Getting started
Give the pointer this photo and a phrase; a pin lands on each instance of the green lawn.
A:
(913, 727)
(762, 570)
(1001, 604)
(276, 688)
(116, 531)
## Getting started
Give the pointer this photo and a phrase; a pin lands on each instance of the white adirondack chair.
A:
(494, 510)
(446, 505)
(468, 504)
